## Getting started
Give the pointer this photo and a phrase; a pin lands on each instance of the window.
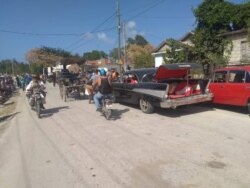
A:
(220, 76)
(245, 50)
(237, 76)
(247, 77)
(148, 77)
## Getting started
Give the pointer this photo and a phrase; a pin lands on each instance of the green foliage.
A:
(21, 68)
(241, 16)
(13, 66)
(213, 18)
(114, 53)
(36, 68)
(214, 15)
(138, 40)
(94, 55)
(6, 66)
(176, 53)
(144, 60)
(56, 51)
(47, 56)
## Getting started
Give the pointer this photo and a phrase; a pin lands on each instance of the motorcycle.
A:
(106, 107)
(36, 101)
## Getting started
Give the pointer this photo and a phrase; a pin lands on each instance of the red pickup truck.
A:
(231, 86)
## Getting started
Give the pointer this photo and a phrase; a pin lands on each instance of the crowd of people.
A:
(98, 84)
(23, 80)
(7, 87)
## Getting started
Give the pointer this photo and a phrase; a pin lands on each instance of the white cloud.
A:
(131, 29)
(102, 36)
(87, 36)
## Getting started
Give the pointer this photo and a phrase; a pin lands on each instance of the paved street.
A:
(73, 146)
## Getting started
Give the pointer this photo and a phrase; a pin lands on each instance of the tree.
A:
(241, 16)
(114, 53)
(213, 18)
(12, 66)
(135, 47)
(136, 53)
(178, 52)
(144, 60)
(138, 40)
(95, 55)
(47, 56)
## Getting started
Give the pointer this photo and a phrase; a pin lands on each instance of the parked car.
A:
(169, 86)
(231, 86)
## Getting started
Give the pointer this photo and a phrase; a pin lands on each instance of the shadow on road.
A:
(199, 108)
(117, 114)
(179, 111)
(7, 117)
(236, 109)
(184, 110)
(49, 112)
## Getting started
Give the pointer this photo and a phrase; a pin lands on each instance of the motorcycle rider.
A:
(35, 84)
(104, 84)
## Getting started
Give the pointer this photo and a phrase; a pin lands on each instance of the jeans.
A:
(98, 98)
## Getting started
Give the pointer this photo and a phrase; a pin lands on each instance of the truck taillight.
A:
(166, 92)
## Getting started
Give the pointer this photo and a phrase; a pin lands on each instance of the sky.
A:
(81, 26)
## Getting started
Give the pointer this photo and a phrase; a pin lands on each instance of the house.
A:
(107, 64)
(161, 49)
(240, 47)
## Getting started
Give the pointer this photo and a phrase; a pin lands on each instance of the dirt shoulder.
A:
(8, 108)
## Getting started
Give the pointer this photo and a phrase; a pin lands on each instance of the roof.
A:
(241, 31)
(161, 45)
(235, 67)
(98, 62)
(166, 42)
(186, 36)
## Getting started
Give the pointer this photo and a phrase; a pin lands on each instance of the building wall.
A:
(240, 50)
(158, 60)
(239, 42)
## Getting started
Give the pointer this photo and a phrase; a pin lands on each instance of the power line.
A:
(92, 31)
(146, 10)
(86, 42)
(52, 34)
(39, 34)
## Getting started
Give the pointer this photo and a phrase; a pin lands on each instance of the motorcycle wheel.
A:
(38, 109)
(65, 93)
(107, 113)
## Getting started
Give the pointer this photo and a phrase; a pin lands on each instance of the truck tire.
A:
(146, 106)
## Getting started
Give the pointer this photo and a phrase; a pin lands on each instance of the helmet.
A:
(102, 72)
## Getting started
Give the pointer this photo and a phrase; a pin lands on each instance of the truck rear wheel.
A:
(146, 106)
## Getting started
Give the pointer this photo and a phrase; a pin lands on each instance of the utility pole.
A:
(12, 67)
(124, 37)
(118, 30)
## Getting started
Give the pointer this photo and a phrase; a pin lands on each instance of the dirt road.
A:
(72, 146)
